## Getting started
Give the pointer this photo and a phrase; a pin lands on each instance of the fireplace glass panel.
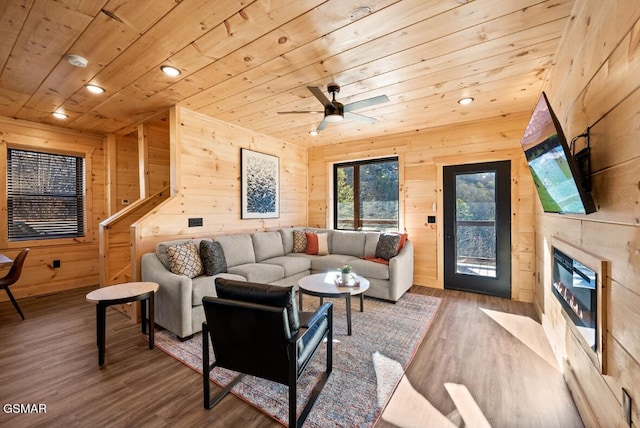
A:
(574, 285)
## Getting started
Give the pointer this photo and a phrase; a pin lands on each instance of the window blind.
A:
(45, 195)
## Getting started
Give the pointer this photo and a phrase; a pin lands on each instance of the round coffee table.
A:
(123, 293)
(324, 285)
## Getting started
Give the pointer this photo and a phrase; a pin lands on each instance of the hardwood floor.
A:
(51, 358)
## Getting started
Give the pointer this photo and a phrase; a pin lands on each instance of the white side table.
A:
(123, 293)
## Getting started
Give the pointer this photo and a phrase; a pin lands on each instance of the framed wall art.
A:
(260, 185)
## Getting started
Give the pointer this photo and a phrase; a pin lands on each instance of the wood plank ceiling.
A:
(244, 61)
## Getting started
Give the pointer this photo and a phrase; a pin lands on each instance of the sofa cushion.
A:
(317, 243)
(238, 249)
(388, 245)
(212, 257)
(369, 269)
(329, 262)
(203, 285)
(349, 243)
(184, 259)
(161, 249)
(262, 294)
(371, 243)
(299, 242)
(287, 238)
(291, 265)
(258, 272)
(267, 245)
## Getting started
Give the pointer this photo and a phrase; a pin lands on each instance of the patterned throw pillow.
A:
(387, 245)
(185, 260)
(212, 256)
(299, 241)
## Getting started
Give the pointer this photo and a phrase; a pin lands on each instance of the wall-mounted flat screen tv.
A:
(555, 172)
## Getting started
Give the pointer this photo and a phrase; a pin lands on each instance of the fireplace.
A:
(575, 286)
(578, 279)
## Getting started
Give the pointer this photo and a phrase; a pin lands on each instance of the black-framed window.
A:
(45, 195)
(366, 195)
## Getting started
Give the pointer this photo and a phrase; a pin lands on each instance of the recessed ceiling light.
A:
(170, 71)
(59, 115)
(95, 89)
(465, 101)
(77, 60)
(313, 132)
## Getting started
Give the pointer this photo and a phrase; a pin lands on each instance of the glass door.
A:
(477, 228)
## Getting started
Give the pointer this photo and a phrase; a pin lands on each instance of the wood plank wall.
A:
(595, 84)
(205, 183)
(127, 185)
(422, 156)
(78, 257)
(153, 146)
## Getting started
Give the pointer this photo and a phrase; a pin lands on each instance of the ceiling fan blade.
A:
(319, 95)
(322, 124)
(359, 117)
(299, 112)
(366, 103)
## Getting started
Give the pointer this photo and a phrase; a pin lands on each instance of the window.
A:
(45, 195)
(366, 195)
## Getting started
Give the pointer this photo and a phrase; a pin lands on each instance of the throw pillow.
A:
(323, 244)
(212, 257)
(312, 243)
(403, 239)
(185, 260)
(317, 243)
(387, 245)
(299, 241)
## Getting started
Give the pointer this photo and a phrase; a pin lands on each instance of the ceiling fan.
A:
(335, 111)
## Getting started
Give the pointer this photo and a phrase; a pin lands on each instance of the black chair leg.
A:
(206, 370)
(13, 300)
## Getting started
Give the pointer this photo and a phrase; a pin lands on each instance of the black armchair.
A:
(256, 329)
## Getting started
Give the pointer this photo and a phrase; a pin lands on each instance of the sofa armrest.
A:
(401, 272)
(173, 306)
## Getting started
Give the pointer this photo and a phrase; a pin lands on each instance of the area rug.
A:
(349, 399)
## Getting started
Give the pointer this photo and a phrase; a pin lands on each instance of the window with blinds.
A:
(45, 195)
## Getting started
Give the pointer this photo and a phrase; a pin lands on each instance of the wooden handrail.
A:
(115, 237)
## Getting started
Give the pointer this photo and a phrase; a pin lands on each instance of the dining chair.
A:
(13, 276)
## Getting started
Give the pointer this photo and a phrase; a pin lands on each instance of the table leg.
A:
(348, 298)
(152, 322)
(361, 302)
(300, 301)
(101, 321)
(143, 315)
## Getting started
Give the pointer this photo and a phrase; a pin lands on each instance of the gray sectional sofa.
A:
(268, 257)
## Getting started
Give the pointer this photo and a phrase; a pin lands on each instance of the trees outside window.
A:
(45, 195)
(366, 195)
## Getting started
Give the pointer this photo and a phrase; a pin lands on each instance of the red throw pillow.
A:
(312, 243)
(403, 239)
(377, 260)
